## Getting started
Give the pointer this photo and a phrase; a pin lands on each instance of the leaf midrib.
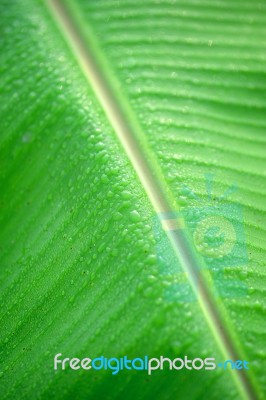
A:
(93, 65)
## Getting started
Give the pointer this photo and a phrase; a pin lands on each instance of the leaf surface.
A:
(79, 259)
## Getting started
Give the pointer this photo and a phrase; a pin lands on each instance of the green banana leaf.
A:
(117, 116)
